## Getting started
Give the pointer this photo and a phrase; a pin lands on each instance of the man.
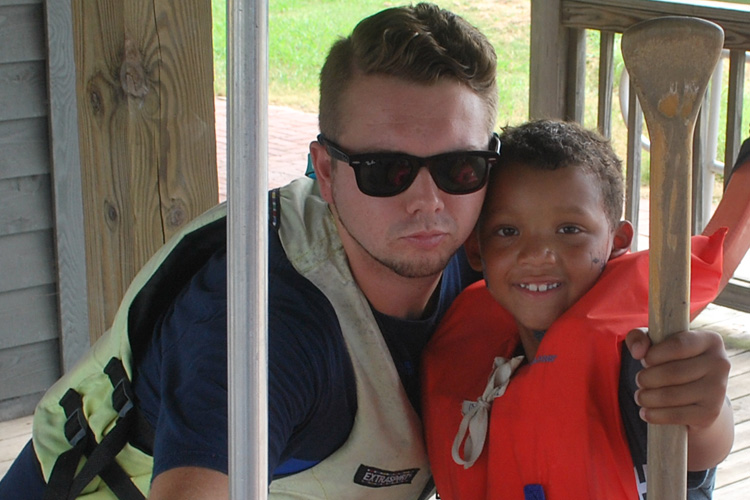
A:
(363, 263)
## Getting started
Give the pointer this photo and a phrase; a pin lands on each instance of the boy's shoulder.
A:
(472, 333)
(474, 317)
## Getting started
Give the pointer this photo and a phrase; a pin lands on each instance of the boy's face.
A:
(544, 240)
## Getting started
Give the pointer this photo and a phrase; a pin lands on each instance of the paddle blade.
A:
(670, 61)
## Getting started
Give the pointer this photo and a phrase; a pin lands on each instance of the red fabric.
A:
(733, 212)
(559, 422)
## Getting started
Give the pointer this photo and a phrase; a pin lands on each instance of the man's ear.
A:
(623, 238)
(471, 247)
(322, 165)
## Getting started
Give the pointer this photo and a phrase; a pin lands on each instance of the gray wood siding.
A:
(24, 147)
(33, 368)
(15, 25)
(29, 325)
(24, 325)
(26, 204)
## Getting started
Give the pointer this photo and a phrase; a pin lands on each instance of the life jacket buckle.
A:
(122, 399)
(75, 427)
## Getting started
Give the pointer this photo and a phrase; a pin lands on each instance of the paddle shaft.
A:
(670, 61)
(669, 292)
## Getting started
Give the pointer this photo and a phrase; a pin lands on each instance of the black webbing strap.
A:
(101, 462)
(76, 432)
(123, 401)
(64, 483)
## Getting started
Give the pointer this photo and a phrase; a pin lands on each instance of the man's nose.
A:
(424, 195)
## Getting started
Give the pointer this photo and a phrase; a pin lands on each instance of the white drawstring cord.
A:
(476, 413)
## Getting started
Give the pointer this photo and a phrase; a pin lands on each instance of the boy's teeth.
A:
(533, 287)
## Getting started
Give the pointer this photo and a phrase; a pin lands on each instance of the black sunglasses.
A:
(388, 174)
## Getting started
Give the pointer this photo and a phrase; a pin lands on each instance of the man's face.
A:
(544, 240)
(413, 233)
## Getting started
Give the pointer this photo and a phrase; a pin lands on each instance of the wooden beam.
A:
(146, 129)
(734, 135)
(575, 92)
(699, 203)
(547, 69)
(606, 83)
(633, 165)
(618, 15)
(66, 185)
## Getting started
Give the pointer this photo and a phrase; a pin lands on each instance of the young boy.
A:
(569, 423)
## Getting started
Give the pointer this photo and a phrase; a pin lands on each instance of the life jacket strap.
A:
(64, 483)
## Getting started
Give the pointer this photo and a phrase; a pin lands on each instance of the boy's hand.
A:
(684, 380)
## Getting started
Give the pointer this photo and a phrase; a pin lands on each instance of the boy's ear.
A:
(471, 247)
(623, 238)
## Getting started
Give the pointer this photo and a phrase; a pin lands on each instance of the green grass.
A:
(301, 32)
(219, 32)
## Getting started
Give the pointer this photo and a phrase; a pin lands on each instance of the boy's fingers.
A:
(673, 373)
(703, 377)
(706, 390)
(678, 405)
(692, 416)
(684, 345)
(689, 392)
(638, 343)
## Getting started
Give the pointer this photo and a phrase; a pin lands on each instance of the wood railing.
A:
(557, 86)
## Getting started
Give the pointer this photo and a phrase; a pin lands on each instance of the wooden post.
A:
(65, 158)
(547, 66)
(144, 88)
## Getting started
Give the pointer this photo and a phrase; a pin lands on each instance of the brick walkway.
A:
(289, 135)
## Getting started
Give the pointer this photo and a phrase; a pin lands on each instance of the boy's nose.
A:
(536, 251)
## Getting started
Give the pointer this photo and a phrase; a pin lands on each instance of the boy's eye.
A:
(570, 230)
(507, 231)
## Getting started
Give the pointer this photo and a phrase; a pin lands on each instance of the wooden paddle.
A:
(670, 61)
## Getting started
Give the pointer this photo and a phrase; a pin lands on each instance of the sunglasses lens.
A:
(460, 173)
(385, 176)
(390, 174)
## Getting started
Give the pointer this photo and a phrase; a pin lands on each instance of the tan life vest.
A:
(384, 456)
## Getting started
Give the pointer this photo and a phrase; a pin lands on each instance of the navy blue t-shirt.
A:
(181, 380)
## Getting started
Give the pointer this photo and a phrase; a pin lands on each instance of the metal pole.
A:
(247, 185)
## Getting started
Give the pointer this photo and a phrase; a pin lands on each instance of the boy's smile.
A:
(533, 287)
(544, 239)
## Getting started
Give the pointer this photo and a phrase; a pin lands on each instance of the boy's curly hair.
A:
(549, 145)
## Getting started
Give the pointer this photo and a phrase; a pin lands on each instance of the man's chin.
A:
(415, 270)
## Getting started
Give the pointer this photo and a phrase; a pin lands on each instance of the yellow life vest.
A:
(87, 417)
(384, 456)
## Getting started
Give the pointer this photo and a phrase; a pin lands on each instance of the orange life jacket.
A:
(558, 424)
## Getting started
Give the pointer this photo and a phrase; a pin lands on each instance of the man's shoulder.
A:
(299, 313)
